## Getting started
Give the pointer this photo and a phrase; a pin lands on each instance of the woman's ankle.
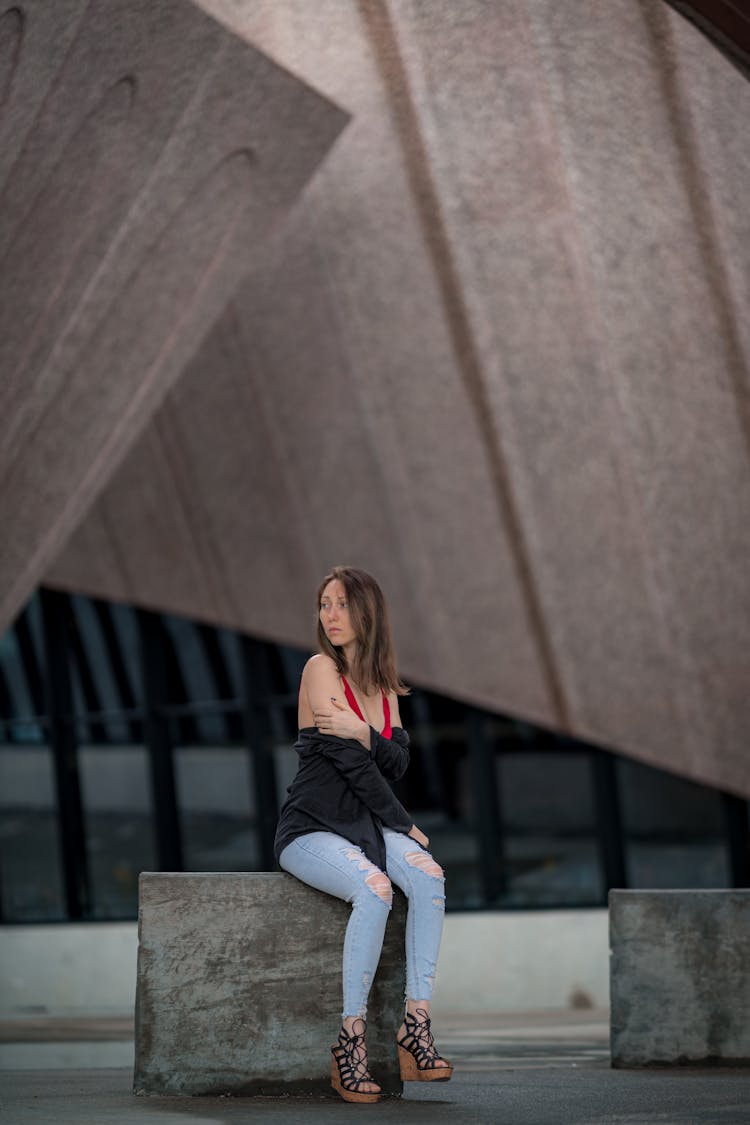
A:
(354, 1025)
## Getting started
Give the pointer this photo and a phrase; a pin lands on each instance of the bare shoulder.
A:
(320, 681)
(395, 713)
(320, 671)
(319, 665)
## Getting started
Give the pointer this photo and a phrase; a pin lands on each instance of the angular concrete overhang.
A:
(146, 153)
(499, 357)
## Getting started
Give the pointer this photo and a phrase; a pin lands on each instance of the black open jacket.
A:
(343, 788)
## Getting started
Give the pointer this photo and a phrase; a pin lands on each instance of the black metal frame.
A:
(258, 732)
(489, 824)
(738, 834)
(169, 849)
(56, 617)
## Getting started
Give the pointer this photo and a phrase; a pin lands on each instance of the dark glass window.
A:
(118, 821)
(21, 687)
(179, 750)
(674, 830)
(216, 797)
(30, 872)
(548, 815)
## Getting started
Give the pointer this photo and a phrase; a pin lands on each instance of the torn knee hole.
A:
(381, 885)
(425, 863)
(356, 855)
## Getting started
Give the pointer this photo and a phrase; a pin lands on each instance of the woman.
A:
(343, 831)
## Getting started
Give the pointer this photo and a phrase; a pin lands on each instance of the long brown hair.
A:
(374, 664)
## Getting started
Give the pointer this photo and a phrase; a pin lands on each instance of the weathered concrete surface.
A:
(239, 986)
(145, 154)
(680, 987)
(502, 339)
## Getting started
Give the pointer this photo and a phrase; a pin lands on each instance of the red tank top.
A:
(387, 731)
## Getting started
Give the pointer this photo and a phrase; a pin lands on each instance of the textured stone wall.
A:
(679, 987)
(239, 986)
(145, 153)
(498, 357)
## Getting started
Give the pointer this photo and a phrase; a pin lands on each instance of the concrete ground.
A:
(549, 1068)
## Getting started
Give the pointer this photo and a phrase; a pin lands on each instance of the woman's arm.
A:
(391, 754)
(392, 757)
(366, 781)
(320, 679)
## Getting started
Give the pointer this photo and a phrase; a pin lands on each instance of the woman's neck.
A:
(350, 654)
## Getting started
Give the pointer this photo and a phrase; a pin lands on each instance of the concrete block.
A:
(680, 990)
(239, 986)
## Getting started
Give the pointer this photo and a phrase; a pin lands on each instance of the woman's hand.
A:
(418, 836)
(341, 721)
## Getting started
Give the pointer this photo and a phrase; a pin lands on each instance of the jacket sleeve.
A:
(360, 771)
(391, 754)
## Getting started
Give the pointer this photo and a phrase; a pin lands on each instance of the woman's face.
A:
(334, 614)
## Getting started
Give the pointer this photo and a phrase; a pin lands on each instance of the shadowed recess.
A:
(725, 23)
(12, 23)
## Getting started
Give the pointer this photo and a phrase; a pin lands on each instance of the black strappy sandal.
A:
(417, 1054)
(349, 1067)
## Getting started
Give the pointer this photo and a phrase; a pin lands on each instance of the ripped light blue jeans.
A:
(330, 863)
